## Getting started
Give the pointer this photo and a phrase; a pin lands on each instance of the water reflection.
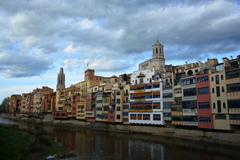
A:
(91, 144)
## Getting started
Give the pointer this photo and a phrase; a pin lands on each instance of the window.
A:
(167, 95)
(234, 116)
(212, 79)
(233, 74)
(212, 90)
(224, 105)
(218, 91)
(188, 81)
(189, 104)
(221, 77)
(233, 87)
(189, 92)
(203, 105)
(118, 108)
(223, 89)
(214, 105)
(217, 79)
(220, 116)
(146, 116)
(139, 116)
(118, 116)
(133, 116)
(202, 79)
(219, 106)
(234, 103)
(118, 101)
(157, 117)
(203, 90)
(156, 85)
(204, 119)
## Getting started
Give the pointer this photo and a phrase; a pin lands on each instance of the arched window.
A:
(156, 50)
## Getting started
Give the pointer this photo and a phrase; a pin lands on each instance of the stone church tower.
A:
(61, 80)
(158, 60)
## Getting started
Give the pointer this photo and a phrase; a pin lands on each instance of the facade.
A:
(146, 102)
(15, 103)
(204, 101)
(39, 95)
(232, 73)
(219, 104)
(126, 103)
(189, 101)
(168, 98)
(26, 103)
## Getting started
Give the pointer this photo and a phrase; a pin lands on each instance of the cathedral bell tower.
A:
(61, 80)
(158, 59)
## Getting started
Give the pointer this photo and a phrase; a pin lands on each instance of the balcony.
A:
(177, 113)
(233, 95)
(89, 114)
(167, 118)
(235, 122)
(177, 123)
(189, 123)
(189, 112)
(234, 110)
(233, 80)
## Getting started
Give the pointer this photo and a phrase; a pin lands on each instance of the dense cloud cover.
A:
(111, 35)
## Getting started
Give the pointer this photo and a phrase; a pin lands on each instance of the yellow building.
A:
(232, 70)
(219, 104)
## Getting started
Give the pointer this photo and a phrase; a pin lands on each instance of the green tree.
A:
(5, 105)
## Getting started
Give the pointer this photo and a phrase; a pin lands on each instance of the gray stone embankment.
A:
(215, 137)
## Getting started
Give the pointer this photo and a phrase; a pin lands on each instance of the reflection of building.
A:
(146, 104)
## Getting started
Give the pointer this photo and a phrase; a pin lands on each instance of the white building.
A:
(146, 101)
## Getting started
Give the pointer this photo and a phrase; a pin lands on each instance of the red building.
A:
(203, 102)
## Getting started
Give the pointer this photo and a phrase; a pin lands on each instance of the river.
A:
(91, 144)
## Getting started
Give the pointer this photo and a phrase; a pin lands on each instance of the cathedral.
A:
(157, 62)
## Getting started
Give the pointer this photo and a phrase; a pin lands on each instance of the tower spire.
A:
(61, 80)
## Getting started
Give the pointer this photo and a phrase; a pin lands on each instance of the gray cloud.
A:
(12, 65)
(122, 28)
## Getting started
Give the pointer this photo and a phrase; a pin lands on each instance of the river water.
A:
(99, 145)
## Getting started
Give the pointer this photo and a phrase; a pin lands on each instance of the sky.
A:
(37, 37)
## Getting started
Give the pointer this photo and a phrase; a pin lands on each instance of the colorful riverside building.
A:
(168, 98)
(204, 101)
(27, 103)
(189, 101)
(146, 101)
(15, 103)
(232, 73)
(218, 95)
(39, 95)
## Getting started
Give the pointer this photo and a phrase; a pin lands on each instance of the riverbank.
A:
(17, 144)
(222, 138)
